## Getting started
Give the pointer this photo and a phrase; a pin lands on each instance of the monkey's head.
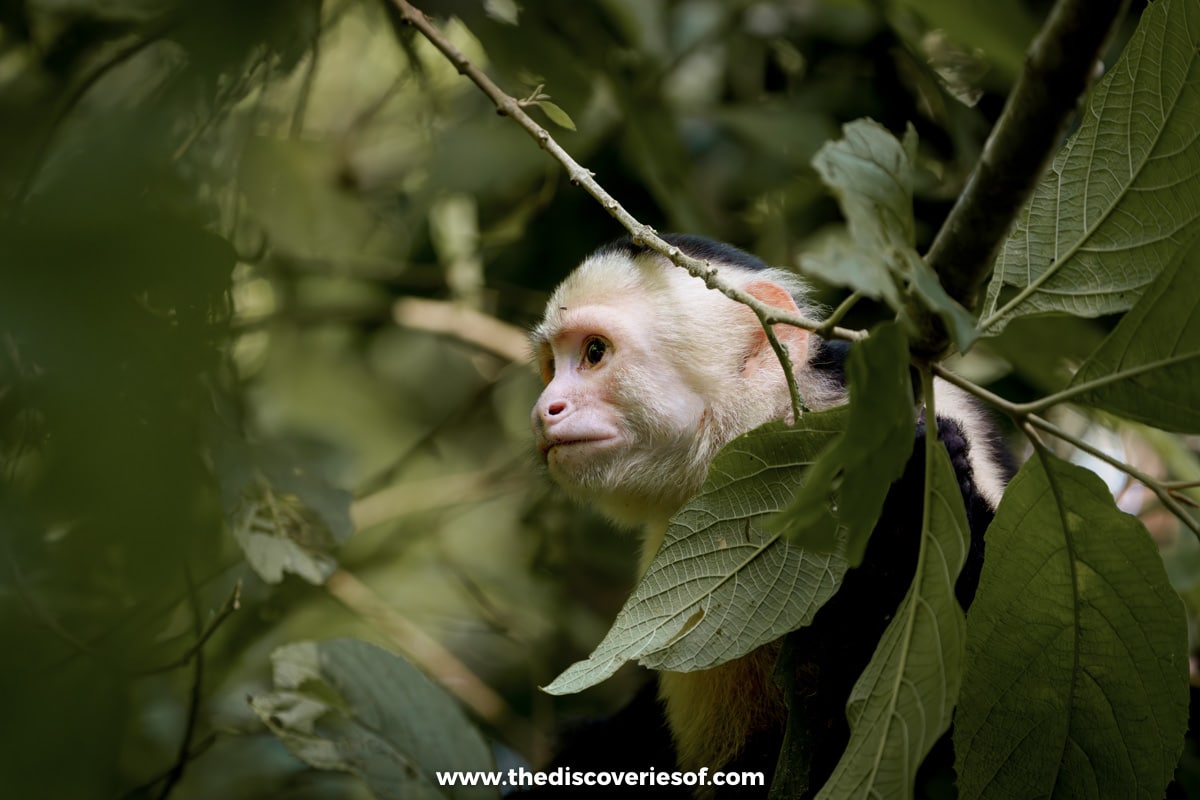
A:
(648, 374)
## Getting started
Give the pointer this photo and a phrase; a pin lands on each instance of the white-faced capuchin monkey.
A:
(648, 374)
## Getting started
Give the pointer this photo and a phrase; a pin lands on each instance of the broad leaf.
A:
(1148, 369)
(1121, 195)
(867, 458)
(722, 586)
(871, 172)
(905, 698)
(353, 707)
(1076, 676)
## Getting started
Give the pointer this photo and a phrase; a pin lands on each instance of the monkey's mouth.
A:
(552, 445)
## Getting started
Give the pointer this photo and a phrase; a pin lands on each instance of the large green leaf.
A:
(350, 706)
(722, 586)
(1122, 193)
(1148, 369)
(871, 172)
(867, 458)
(905, 698)
(1076, 677)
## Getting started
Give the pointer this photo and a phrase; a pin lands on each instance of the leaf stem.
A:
(1029, 421)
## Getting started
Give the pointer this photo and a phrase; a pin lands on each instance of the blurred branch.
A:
(197, 751)
(196, 694)
(439, 663)
(444, 491)
(231, 604)
(1059, 65)
(310, 73)
(485, 332)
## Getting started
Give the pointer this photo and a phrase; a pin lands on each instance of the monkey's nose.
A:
(556, 408)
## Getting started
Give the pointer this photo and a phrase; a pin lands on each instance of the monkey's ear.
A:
(795, 338)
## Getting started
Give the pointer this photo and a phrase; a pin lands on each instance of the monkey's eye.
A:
(594, 349)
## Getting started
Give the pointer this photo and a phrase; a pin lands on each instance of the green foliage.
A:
(872, 175)
(864, 461)
(1075, 682)
(1122, 194)
(349, 706)
(905, 698)
(208, 212)
(701, 602)
(1148, 369)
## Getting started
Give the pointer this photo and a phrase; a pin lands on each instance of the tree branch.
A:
(642, 234)
(1167, 492)
(1059, 65)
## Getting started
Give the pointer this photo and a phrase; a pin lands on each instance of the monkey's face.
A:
(616, 424)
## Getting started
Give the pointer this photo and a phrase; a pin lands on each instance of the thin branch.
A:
(1059, 65)
(196, 694)
(1038, 406)
(642, 234)
(231, 604)
(141, 790)
(466, 324)
(1150, 482)
(838, 313)
(1029, 421)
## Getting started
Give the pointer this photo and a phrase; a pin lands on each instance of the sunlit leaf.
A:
(1121, 196)
(1076, 677)
(557, 115)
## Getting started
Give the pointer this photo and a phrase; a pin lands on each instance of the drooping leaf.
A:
(721, 585)
(905, 698)
(353, 707)
(840, 261)
(871, 173)
(1076, 675)
(1148, 369)
(1121, 195)
(866, 459)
